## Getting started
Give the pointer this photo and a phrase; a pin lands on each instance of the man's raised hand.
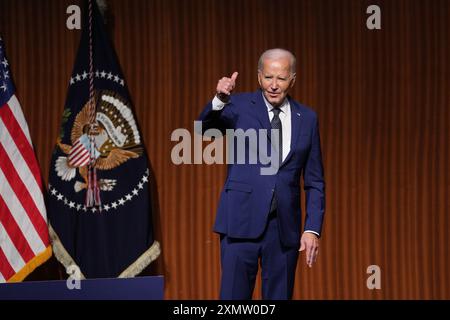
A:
(225, 86)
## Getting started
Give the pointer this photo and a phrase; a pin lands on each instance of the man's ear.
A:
(293, 77)
(259, 78)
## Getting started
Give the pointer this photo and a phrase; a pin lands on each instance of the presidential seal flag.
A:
(24, 241)
(99, 203)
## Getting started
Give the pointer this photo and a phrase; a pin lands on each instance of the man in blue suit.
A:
(259, 214)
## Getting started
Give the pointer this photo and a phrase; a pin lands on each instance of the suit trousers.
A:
(240, 259)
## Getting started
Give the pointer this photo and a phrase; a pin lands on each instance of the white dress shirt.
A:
(285, 117)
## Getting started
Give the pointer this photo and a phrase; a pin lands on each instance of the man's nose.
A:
(274, 85)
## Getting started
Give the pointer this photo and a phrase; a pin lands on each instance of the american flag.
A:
(24, 241)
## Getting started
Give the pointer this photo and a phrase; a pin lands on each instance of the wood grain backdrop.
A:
(382, 100)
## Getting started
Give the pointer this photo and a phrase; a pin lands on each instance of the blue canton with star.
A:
(6, 84)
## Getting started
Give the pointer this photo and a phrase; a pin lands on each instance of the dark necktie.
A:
(276, 124)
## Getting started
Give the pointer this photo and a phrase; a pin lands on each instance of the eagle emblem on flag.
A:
(116, 141)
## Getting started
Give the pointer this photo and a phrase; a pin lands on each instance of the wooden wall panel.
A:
(382, 100)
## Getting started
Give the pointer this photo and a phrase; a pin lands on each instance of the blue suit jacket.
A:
(246, 196)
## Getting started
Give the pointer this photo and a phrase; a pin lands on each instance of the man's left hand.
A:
(310, 242)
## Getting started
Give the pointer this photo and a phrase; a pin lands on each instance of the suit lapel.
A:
(296, 126)
(261, 111)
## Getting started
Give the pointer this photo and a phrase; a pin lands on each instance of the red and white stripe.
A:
(23, 217)
(79, 155)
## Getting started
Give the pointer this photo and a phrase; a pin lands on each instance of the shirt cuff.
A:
(310, 231)
(217, 104)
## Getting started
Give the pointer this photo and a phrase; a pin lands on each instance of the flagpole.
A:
(93, 191)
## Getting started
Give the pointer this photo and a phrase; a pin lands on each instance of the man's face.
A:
(275, 80)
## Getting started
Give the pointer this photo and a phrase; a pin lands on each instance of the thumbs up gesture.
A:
(225, 86)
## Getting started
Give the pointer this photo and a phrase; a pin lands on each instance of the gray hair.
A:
(278, 53)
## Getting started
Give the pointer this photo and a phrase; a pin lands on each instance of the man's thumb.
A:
(234, 76)
(302, 246)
